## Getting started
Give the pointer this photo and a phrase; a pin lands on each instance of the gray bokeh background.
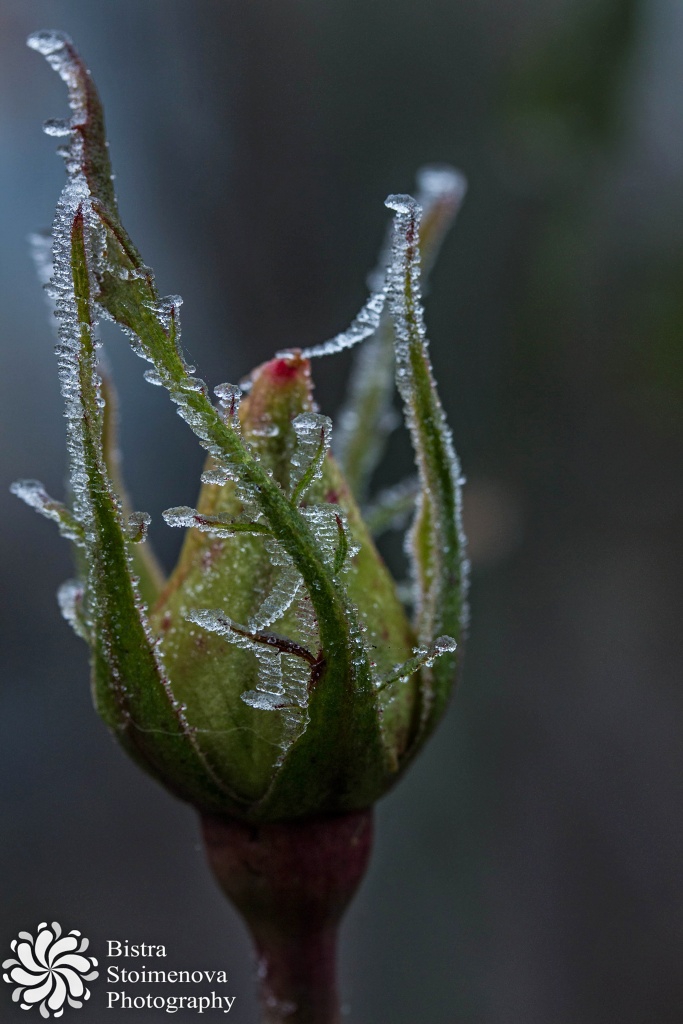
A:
(528, 869)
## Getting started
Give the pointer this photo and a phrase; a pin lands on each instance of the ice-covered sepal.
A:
(218, 525)
(35, 495)
(423, 657)
(435, 544)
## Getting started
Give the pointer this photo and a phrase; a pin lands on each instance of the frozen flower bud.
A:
(241, 638)
(276, 674)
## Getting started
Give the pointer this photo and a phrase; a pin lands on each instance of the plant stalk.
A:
(292, 882)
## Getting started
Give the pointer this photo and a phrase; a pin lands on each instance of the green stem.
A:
(292, 882)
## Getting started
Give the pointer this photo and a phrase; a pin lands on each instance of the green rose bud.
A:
(276, 674)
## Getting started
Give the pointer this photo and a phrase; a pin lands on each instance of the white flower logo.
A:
(50, 970)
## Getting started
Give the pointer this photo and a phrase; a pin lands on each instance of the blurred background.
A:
(529, 867)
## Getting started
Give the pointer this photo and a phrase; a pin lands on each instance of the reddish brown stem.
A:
(292, 882)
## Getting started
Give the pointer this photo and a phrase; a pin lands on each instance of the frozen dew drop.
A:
(444, 645)
(402, 204)
(215, 476)
(228, 394)
(181, 515)
(152, 376)
(48, 41)
(137, 526)
(57, 127)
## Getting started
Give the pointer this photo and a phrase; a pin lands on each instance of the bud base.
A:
(292, 882)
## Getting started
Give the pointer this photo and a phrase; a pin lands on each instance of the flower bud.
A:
(276, 674)
(249, 698)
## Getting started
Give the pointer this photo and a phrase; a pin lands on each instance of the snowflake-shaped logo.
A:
(50, 970)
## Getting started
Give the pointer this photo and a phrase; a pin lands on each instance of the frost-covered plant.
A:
(275, 676)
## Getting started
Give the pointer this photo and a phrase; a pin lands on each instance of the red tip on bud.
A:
(286, 367)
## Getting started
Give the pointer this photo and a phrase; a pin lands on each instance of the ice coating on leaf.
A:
(75, 374)
(362, 327)
(313, 435)
(137, 526)
(219, 526)
(58, 50)
(242, 636)
(85, 153)
(306, 621)
(435, 543)
(35, 495)
(411, 336)
(166, 309)
(270, 667)
(368, 418)
(271, 694)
